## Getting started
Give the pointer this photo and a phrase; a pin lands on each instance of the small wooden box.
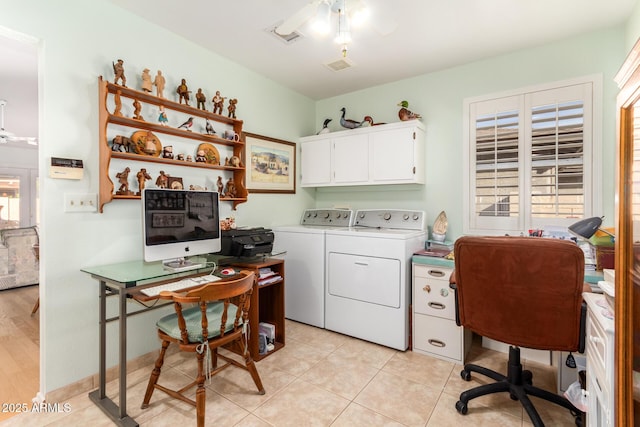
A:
(605, 257)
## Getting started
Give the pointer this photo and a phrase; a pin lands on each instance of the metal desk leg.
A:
(102, 390)
(122, 295)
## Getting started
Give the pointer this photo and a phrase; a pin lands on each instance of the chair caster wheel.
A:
(513, 396)
(461, 407)
(465, 375)
(527, 377)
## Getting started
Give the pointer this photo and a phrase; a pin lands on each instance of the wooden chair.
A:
(220, 318)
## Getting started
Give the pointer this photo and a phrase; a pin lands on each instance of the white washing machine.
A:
(368, 273)
(303, 248)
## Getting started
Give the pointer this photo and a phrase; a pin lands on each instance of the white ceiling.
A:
(430, 35)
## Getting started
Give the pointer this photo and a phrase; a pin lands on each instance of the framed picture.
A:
(270, 164)
(175, 183)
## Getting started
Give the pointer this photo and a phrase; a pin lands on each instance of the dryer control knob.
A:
(405, 217)
(327, 215)
(361, 215)
(387, 216)
(416, 217)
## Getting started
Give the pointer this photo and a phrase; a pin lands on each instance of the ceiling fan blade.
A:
(297, 19)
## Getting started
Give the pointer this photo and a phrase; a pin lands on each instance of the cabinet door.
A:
(393, 155)
(351, 159)
(315, 162)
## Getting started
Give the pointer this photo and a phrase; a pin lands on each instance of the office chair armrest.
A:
(454, 288)
(583, 327)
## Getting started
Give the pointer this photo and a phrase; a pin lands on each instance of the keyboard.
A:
(189, 282)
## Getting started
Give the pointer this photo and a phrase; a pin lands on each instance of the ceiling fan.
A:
(323, 9)
(6, 136)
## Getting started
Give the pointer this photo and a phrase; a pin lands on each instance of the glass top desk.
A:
(125, 279)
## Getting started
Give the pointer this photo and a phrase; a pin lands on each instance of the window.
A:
(530, 161)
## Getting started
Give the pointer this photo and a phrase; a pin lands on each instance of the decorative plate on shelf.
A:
(146, 143)
(211, 153)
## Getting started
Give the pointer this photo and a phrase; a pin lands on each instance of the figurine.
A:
(201, 98)
(189, 158)
(136, 110)
(233, 161)
(142, 177)
(162, 180)
(348, 123)
(187, 125)
(123, 179)
(118, 70)
(146, 81)
(209, 128)
(121, 143)
(230, 190)
(325, 127)
(159, 83)
(183, 92)
(180, 157)
(200, 157)
(167, 152)
(118, 101)
(405, 114)
(218, 103)
(220, 185)
(232, 107)
(369, 120)
(162, 117)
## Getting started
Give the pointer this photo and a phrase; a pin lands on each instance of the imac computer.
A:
(178, 224)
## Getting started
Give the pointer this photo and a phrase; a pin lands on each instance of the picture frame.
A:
(270, 164)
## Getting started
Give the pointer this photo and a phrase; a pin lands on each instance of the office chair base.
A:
(518, 383)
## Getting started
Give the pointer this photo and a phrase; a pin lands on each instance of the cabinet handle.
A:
(436, 273)
(594, 340)
(436, 343)
(427, 288)
(437, 305)
(361, 263)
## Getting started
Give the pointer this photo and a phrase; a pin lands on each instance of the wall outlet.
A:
(87, 202)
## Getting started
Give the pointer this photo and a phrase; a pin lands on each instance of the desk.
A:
(128, 278)
(123, 279)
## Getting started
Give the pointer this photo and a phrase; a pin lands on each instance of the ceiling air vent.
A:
(340, 64)
(287, 38)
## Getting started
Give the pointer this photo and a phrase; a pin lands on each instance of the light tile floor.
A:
(321, 378)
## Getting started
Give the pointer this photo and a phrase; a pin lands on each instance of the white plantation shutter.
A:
(529, 160)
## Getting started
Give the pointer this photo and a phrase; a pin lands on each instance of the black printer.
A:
(247, 242)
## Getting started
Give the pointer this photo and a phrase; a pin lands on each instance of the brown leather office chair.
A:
(220, 318)
(526, 292)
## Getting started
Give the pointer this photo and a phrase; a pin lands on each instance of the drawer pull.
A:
(436, 273)
(427, 288)
(436, 343)
(437, 305)
(361, 263)
(595, 340)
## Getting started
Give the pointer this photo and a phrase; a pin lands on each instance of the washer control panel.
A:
(328, 217)
(390, 218)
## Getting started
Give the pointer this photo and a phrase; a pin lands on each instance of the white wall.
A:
(439, 98)
(78, 42)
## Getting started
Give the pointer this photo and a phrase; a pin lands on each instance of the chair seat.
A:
(193, 318)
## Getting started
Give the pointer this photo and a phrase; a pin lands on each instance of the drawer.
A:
(432, 272)
(438, 336)
(596, 353)
(434, 298)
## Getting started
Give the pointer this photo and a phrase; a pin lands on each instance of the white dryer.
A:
(303, 248)
(368, 272)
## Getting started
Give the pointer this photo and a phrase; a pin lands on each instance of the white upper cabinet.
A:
(376, 155)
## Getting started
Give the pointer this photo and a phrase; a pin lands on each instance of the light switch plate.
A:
(86, 202)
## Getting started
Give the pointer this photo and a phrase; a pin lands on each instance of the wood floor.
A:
(19, 347)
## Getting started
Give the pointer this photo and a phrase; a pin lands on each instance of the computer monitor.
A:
(178, 224)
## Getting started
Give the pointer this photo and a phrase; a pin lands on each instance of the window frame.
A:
(592, 166)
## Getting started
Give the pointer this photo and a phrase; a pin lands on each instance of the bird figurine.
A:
(405, 113)
(325, 127)
(348, 123)
(209, 128)
(187, 125)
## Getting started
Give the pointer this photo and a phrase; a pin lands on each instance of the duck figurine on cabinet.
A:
(348, 123)
(405, 114)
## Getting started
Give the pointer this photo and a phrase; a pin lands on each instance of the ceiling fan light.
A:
(322, 22)
(343, 36)
(360, 16)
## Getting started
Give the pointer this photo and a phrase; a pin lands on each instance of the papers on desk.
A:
(266, 276)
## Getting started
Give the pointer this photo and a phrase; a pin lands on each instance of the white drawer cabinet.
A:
(600, 363)
(386, 154)
(435, 332)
